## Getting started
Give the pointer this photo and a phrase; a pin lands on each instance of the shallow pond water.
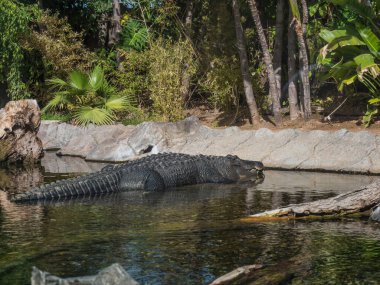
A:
(188, 236)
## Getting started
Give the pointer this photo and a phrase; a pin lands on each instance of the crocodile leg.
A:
(142, 179)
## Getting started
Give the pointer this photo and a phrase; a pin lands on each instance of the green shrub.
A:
(14, 19)
(61, 48)
(133, 79)
(222, 81)
(168, 62)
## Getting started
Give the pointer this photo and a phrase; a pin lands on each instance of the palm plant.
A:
(88, 98)
(352, 53)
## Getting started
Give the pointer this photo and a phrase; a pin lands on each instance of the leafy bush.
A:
(61, 48)
(222, 81)
(14, 19)
(88, 98)
(133, 80)
(168, 62)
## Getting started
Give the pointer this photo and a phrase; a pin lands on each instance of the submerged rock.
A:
(19, 124)
(375, 215)
(112, 275)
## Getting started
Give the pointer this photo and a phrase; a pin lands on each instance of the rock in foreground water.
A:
(19, 124)
(112, 275)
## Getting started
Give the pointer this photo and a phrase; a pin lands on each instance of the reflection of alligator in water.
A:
(151, 173)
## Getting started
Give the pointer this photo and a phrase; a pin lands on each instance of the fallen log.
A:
(288, 271)
(241, 275)
(359, 202)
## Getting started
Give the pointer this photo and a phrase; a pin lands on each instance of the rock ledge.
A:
(293, 149)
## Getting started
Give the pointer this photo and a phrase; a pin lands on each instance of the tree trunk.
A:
(103, 30)
(305, 17)
(292, 74)
(304, 61)
(114, 33)
(304, 72)
(41, 4)
(189, 16)
(268, 62)
(359, 201)
(185, 81)
(244, 66)
(278, 44)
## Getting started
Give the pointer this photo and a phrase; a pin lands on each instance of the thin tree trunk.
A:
(41, 4)
(244, 66)
(114, 34)
(305, 17)
(304, 73)
(278, 43)
(103, 30)
(268, 62)
(189, 16)
(300, 29)
(292, 74)
(185, 90)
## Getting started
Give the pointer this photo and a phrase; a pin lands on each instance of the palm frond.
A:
(373, 85)
(59, 101)
(78, 80)
(116, 103)
(106, 90)
(96, 78)
(88, 115)
(57, 83)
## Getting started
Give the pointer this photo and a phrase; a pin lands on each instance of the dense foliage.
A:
(14, 19)
(171, 55)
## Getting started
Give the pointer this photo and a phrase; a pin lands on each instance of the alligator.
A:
(155, 172)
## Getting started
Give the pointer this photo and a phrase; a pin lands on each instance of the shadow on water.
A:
(187, 236)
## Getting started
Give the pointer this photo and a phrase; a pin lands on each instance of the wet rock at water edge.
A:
(19, 124)
(112, 275)
(375, 215)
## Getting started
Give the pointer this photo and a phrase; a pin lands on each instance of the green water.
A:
(188, 236)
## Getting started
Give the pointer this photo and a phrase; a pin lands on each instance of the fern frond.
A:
(134, 36)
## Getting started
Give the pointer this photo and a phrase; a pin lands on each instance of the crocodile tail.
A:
(88, 185)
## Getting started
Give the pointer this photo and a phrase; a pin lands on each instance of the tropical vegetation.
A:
(103, 61)
(88, 98)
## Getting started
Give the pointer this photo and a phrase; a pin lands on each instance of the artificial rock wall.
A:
(286, 149)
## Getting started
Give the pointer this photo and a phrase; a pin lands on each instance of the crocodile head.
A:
(247, 169)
